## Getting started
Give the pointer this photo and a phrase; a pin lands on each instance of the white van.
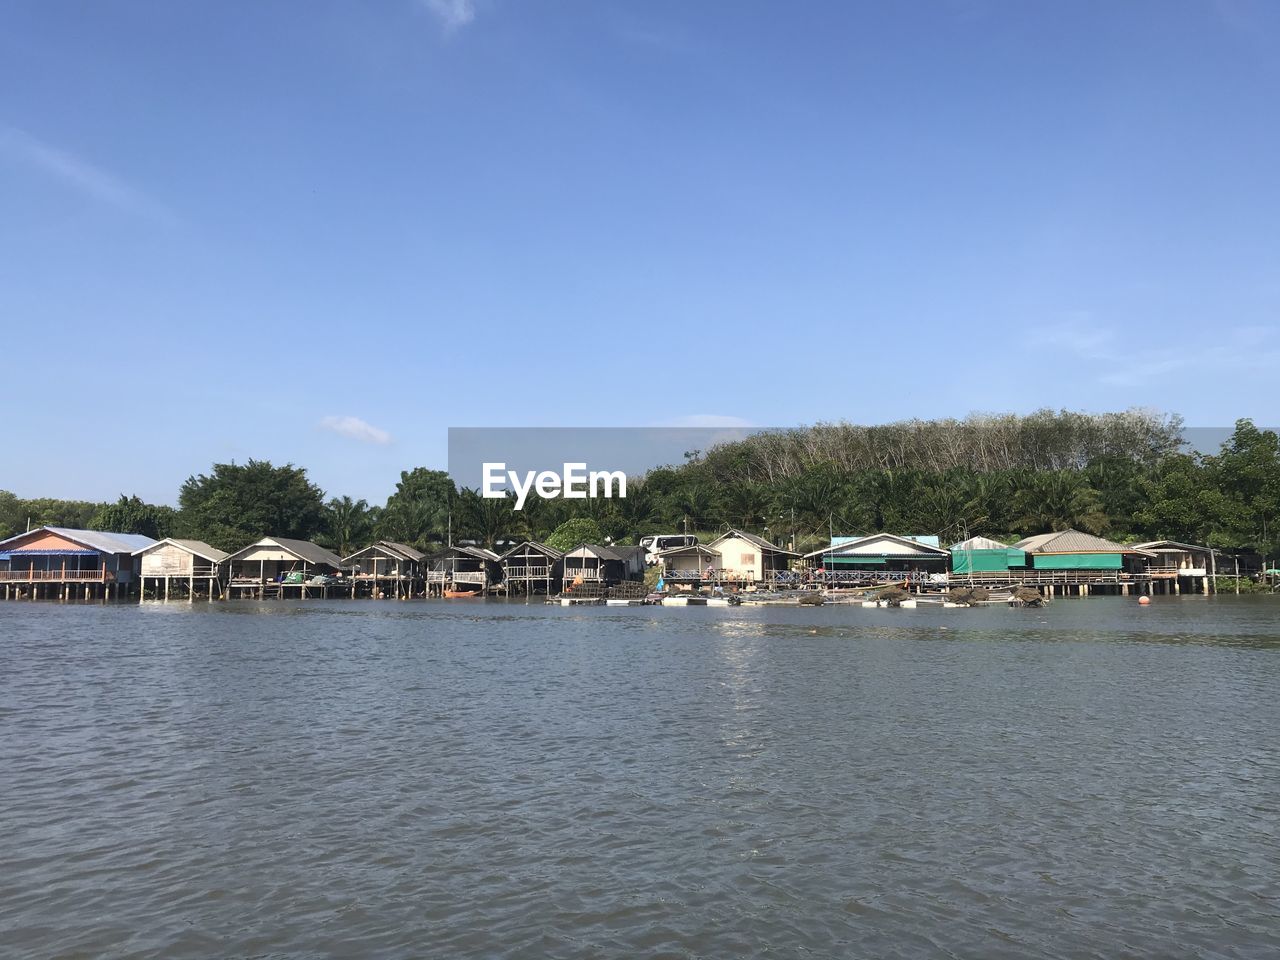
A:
(655, 544)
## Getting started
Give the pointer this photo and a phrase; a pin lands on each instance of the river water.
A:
(462, 778)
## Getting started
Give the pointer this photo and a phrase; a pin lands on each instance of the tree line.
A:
(1124, 476)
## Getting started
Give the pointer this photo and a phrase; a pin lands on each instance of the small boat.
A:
(460, 594)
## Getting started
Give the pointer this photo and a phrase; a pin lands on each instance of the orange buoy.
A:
(1143, 601)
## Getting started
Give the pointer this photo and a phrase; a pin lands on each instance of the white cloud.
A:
(356, 429)
(90, 180)
(452, 13)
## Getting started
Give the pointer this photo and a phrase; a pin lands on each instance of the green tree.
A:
(1118, 482)
(1248, 474)
(1181, 501)
(13, 518)
(420, 509)
(236, 504)
(487, 519)
(697, 505)
(132, 515)
(1059, 500)
(51, 512)
(348, 524)
(575, 531)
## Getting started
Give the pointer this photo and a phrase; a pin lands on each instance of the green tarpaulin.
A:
(1079, 561)
(986, 561)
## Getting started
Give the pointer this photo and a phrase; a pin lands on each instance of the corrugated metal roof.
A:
(978, 543)
(310, 552)
(760, 542)
(534, 545)
(852, 547)
(480, 553)
(302, 549)
(692, 548)
(103, 541)
(928, 539)
(1171, 545)
(1071, 541)
(198, 547)
(413, 553)
(596, 550)
(398, 551)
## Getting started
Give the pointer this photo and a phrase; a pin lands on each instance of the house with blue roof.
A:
(879, 558)
(62, 563)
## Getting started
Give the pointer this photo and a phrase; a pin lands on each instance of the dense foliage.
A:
(132, 515)
(1124, 476)
(236, 504)
(573, 532)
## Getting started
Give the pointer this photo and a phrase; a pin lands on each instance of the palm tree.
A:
(414, 521)
(747, 504)
(698, 505)
(349, 523)
(1059, 500)
(488, 519)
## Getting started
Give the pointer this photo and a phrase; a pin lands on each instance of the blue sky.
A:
(324, 232)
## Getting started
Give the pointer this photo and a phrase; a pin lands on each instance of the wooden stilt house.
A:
(280, 567)
(62, 563)
(603, 566)
(690, 566)
(385, 569)
(747, 559)
(462, 571)
(878, 558)
(181, 569)
(531, 566)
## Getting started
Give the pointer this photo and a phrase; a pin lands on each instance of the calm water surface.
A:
(457, 778)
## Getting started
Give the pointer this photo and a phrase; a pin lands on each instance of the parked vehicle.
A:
(656, 543)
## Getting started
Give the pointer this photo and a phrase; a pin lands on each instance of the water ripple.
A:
(510, 780)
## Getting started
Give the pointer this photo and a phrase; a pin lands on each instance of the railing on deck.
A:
(1051, 577)
(455, 576)
(583, 573)
(528, 573)
(80, 576)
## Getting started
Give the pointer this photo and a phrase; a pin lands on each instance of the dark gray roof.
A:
(480, 553)
(398, 551)
(304, 550)
(535, 545)
(413, 553)
(595, 550)
(691, 548)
